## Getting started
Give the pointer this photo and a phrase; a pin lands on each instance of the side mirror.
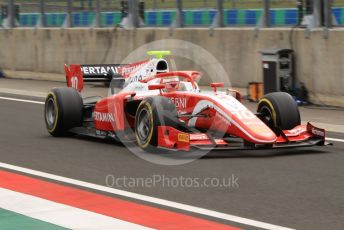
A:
(215, 85)
(154, 87)
(235, 93)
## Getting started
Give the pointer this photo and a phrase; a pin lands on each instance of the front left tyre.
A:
(151, 113)
(63, 110)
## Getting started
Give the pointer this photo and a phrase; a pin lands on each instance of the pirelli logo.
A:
(183, 137)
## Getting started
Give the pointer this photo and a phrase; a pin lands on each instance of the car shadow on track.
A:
(258, 153)
(98, 140)
(264, 153)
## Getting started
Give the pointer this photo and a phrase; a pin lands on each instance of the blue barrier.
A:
(201, 17)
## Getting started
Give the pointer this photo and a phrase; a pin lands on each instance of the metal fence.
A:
(171, 13)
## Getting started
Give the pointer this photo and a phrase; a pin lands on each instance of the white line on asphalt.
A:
(60, 214)
(334, 139)
(21, 100)
(23, 92)
(149, 199)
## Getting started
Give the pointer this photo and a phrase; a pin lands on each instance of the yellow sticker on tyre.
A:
(183, 137)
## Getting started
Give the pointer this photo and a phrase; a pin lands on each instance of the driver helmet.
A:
(171, 84)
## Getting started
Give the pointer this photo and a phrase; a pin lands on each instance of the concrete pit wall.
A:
(319, 61)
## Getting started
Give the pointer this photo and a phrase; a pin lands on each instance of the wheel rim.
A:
(143, 126)
(267, 116)
(50, 113)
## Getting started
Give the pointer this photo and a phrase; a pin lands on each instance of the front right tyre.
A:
(279, 111)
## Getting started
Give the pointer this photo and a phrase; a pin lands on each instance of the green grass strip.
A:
(11, 220)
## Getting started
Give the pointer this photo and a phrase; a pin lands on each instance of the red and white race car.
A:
(159, 108)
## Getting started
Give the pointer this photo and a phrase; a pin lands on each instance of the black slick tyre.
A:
(279, 111)
(63, 110)
(151, 113)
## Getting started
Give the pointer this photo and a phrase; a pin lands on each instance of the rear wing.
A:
(76, 75)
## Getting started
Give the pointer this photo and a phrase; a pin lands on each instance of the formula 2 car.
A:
(158, 108)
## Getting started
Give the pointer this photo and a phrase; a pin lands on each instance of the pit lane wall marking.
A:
(135, 196)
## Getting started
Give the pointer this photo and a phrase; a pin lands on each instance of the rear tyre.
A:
(62, 110)
(279, 111)
(151, 113)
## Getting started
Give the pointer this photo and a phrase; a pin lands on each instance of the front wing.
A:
(300, 136)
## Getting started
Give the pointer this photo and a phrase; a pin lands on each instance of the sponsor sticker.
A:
(98, 70)
(130, 68)
(134, 78)
(318, 132)
(180, 103)
(183, 137)
(103, 117)
(199, 137)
